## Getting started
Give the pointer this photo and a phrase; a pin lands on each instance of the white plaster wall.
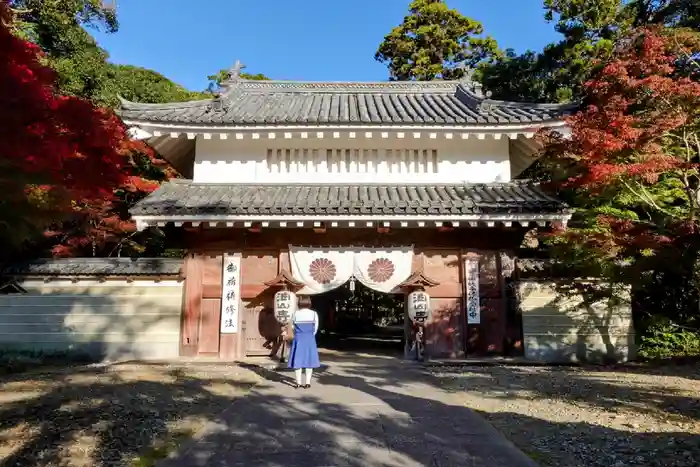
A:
(110, 320)
(560, 329)
(459, 160)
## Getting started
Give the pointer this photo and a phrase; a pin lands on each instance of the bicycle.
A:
(419, 343)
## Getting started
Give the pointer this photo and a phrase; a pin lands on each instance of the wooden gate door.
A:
(259, 327)
(210, 316)
(200, 320)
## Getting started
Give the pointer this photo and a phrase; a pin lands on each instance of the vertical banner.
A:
(471, 266)
(231, 291)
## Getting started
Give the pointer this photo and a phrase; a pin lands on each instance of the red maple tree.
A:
(56, 149)
(102, 226)
(633, 157)
(65, 139)
(65, 164)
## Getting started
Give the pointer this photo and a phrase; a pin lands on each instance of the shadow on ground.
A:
(684, 367)
(587, 445)
(362, 410)
(109, 415)
(587, 416)
(359, 412)
(330, 424)
(601, 387)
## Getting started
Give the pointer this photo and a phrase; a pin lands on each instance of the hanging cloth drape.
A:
(320, 269)
(324, 269)
(383, 269)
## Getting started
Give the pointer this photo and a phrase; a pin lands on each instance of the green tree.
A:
(215, 80)
(60, 29)
(56, 148)
(50, 23)
(142, 85)
(434, 42)
(589, 28)
(670, 13)
(557, 74)
(635, 230)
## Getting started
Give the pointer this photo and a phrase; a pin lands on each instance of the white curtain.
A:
(382, 269)
(324, 269)
(320, 269)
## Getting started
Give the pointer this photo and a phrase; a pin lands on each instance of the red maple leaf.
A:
(62, 147)
(74, 160)
(637, 128)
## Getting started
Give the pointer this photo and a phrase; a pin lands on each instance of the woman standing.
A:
(303, 356)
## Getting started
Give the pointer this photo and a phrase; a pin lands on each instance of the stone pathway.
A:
(360, 411)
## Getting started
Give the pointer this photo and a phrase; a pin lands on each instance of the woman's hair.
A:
(304, 301)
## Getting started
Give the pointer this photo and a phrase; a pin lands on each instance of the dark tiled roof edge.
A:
(96, 267)
(184, 198)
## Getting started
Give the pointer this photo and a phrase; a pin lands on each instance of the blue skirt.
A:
(304, 353)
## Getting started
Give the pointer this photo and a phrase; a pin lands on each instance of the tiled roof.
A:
(97, 267)
(185, 198)
(306, 103)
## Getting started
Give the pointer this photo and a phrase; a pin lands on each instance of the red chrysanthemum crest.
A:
(322, 270)
(380, 270)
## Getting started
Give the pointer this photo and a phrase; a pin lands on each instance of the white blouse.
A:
(306, 315)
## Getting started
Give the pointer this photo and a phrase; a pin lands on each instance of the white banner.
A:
(383, 269)
(471, 267)
(320, 269)
(324, 269)
(231, 288)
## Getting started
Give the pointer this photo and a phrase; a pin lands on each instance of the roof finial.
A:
(477, 88)
(233, 75)
(235, 72)
(468, 79)
(467, 71)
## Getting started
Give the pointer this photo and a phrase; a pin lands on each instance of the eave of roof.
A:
(180, 199)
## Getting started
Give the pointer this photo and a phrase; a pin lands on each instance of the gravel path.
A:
(117, 415)
(576, 417)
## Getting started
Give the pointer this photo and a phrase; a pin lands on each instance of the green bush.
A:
(663, 339)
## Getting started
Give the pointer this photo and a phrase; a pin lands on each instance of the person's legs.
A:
(309, 372)
(297, 374)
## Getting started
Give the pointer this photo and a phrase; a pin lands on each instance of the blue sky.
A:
(325, 40)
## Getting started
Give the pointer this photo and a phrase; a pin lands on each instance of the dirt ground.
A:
(119, 415)
(634, 415)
